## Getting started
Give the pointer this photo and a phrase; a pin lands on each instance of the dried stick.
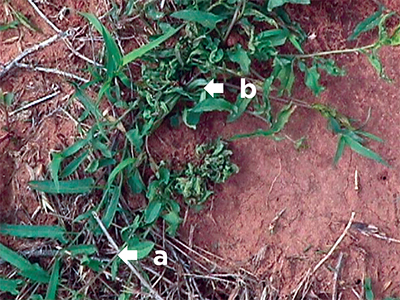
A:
(133, 269)
(315, 269)
(8, 66)
(336, 277)
(36, 102)
(51, 71)
(43, 16)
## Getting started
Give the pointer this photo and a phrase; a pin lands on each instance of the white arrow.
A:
(127, 255)
(214, 88)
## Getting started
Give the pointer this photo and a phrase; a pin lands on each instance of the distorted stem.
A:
(234, 19)
(330, 52)
(298, 102)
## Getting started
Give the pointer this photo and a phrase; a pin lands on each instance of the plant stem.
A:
(324, 53)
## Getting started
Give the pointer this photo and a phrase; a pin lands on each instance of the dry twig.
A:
(310, 272)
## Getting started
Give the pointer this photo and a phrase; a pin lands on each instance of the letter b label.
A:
(244, 86)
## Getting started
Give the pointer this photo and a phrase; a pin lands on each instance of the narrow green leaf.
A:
(28, 270)
(87, 103)
(267, 102)
(214, 104)
(34, 231)
(55, 165)
(135, 54)
(80, 186)
(364, 151)
(122, 165)
(114, 56)
(74, 148)
(112, 205)
(205, 19)
(81, 249)
(74, 165)
(369, 23)
(11, 25)
(369, 135)
(54, 279)
(369, 294)
(26, 22)
(276, 3)
(10, 285)
(340, 148)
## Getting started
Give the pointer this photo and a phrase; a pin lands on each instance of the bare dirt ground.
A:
(318, 198)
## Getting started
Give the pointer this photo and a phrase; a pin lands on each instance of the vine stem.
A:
(324, 53)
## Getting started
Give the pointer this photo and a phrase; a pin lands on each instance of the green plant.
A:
(112, 157)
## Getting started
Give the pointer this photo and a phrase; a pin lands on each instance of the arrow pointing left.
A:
(127, 255)
(214, 88)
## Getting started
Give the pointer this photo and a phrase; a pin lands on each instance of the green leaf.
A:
(205, 19)
(173, 220)
(241, 105)
(9, 99)
(55, 165)
(190, 118)
(10, 285)
(119, 168)
(368, 24)
(239, 56)
(267, 102)
(375, 61)
(87, 103)
(112, 206)
(11, 25)
(153, 211)
(32, 271)
(135, 138)
(81, 249)
(360, 149)
(80, 186)
(283, 71)
(74, 148)
(143, 248)
(54, 279)
(74, 165)
(114, 56)
(34, 231)
(276, 3)
(282, 118)
(26, 22)
(330, 66)
(369, 295)
(136, 183)
(135, 54)
(340, 148)
(213, 104)
(312, 78)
